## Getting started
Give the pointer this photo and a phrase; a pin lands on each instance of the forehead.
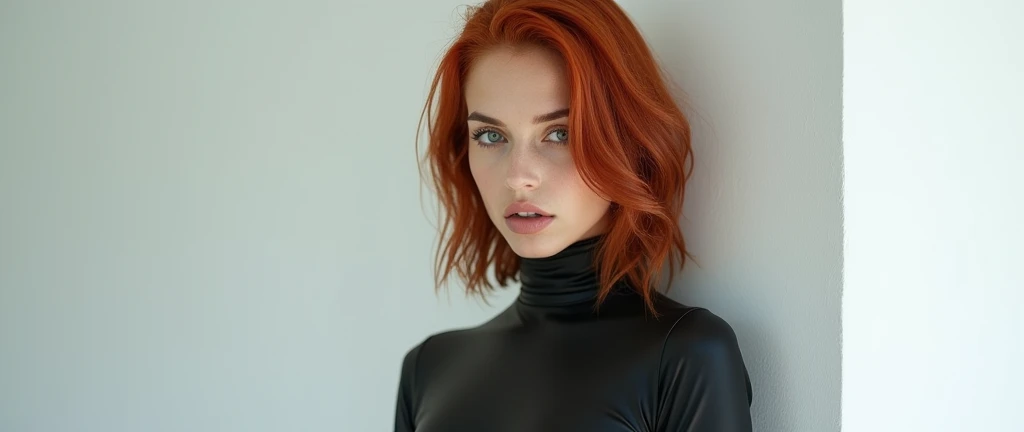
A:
(513, 84)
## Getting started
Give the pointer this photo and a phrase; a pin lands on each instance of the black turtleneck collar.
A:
(566, 278)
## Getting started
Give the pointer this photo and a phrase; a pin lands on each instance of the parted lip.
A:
(523, 206)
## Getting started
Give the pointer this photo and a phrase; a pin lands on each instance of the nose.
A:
(523, 168)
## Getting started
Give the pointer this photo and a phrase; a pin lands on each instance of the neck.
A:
(566, 278)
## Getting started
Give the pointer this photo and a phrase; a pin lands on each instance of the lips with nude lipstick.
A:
(524, 218)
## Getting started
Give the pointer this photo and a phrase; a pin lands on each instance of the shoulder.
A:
(702, 347)
(413, 353)
(699, 329)
(703, 382)
(446, 343)
(433, 355)
(693, 329)
(699, 335)
(439, 342)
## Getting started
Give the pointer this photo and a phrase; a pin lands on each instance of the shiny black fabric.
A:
(549, 362)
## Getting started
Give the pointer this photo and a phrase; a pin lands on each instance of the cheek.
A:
(483, 178)
(587, 202)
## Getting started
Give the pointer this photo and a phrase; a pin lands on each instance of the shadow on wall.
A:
(762, 84)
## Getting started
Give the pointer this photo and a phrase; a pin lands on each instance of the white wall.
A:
(209, 213)
(210, 216)
(932, 327)
(764, 214)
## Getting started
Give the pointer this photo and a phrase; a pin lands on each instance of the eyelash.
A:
(479, 132)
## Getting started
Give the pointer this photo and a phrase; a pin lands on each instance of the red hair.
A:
(630, 142)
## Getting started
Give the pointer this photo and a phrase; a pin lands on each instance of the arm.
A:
(704, 384)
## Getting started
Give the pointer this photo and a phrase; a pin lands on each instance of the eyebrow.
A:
(554, 115)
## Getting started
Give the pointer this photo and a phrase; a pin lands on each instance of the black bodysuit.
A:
(549, 363)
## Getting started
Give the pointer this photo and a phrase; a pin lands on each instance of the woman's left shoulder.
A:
(701, 360)
(702, 376)
(697, 333)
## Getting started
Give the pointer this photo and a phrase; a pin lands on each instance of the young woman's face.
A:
(518, 133)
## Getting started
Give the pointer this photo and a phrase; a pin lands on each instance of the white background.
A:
(932, 327)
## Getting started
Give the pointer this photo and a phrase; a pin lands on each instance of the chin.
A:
(539, 245)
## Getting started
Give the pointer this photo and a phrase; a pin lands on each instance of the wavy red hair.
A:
(630, 142)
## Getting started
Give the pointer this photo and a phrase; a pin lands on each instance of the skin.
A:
(524, 160)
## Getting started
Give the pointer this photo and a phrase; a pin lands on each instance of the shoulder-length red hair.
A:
(630, 142)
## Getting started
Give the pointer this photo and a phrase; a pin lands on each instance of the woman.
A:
(560, 160)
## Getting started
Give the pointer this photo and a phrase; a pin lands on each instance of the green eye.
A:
(492, 136)
(561, 135)
(489, 136)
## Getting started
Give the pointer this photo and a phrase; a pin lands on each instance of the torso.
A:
(532, 369)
